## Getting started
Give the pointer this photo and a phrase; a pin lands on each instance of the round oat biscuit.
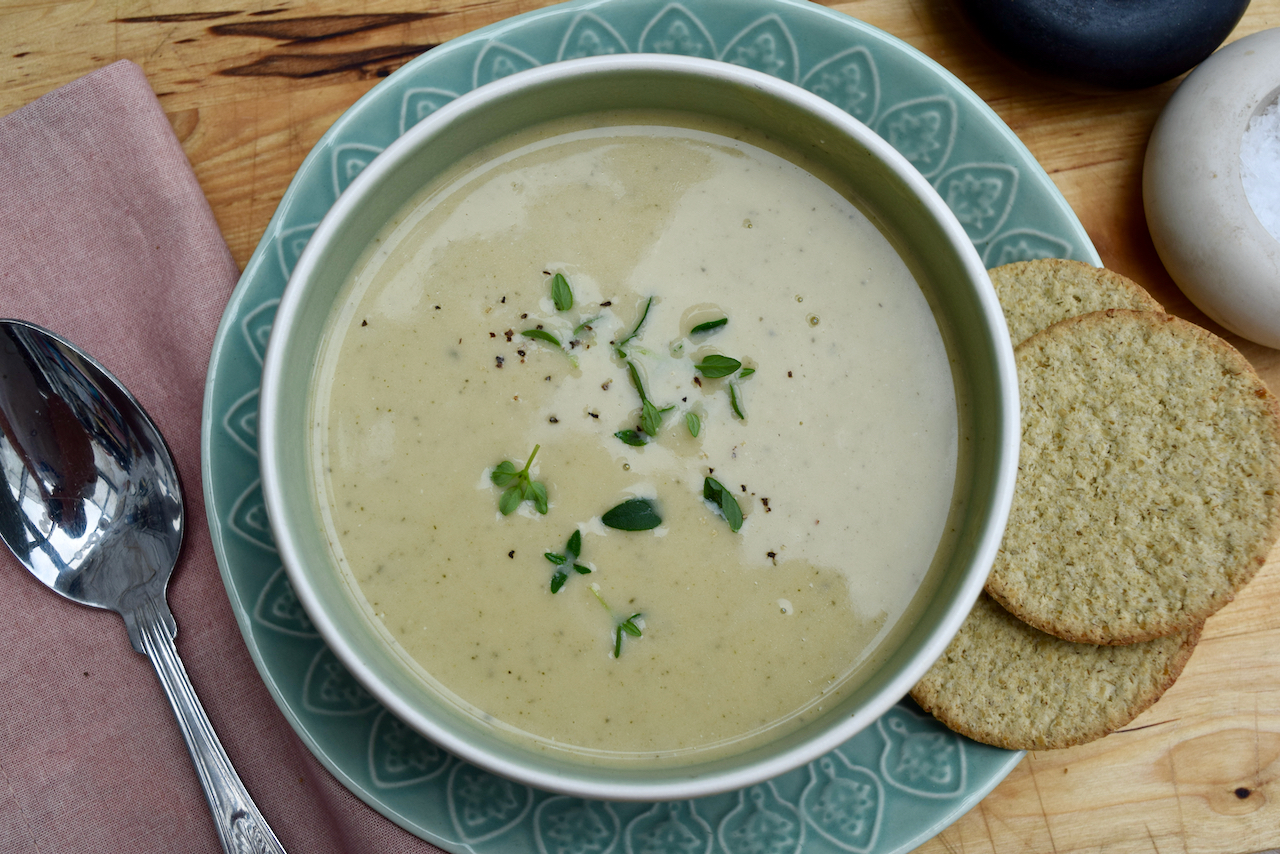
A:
(1007, 684)
(1148, 487)
(1037, 294)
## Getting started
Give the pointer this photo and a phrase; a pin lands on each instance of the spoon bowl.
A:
(91, 504)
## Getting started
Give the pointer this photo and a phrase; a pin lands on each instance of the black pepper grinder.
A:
(1095, 45)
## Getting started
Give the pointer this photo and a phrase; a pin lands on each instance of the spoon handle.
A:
(241, 827)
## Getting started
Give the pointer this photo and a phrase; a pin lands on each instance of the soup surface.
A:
(455, 357)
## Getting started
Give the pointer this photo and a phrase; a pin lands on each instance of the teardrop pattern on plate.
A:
(278, 608)
(399, 756)
(589, 35)
(669, 828)
(290, 244)
(349, 161)
(850, 81)
(980, 195)
(417, 104)
(919, 756)
(241, 422)
(843, 802)
(1023, 244)
(766, 45)
(565, 825)
(676, 30)
(923, 130)
(498, 60)
(330, 689)
(762, 823)
(248, 518)
(483, 806)
(255, 328)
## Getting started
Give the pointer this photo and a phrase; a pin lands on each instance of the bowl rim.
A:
(679, 785)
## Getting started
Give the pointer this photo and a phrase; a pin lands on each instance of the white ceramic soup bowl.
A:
(892, 193)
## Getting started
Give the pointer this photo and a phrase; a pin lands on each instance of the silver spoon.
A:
(90, 503)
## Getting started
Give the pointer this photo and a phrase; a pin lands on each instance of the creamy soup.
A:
(789, 509)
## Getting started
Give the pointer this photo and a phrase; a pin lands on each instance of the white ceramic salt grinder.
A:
(1203, 226)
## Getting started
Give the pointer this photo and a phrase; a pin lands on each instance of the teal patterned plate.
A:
(888, 789)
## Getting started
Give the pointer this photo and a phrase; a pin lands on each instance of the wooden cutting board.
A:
(250, 87)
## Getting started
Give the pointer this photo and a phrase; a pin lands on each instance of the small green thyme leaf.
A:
(734, 402)
(634, 332)
(715, 365)
(630, 437)
(650, 418)
(693, 422)
(571, 551)
(635, 380)
(715, 492)
(510, 500)
(585, 324)
(617, 642)
(634, 514)
(542, 335)
(708, 326)
(539, 497)
(503, 473)
(746, 372)
(561, 293)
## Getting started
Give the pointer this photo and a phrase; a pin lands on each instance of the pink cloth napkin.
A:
(108, 240)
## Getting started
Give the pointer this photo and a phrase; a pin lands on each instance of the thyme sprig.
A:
(628, 626)
(569, 558)
(650, 415)
(617, 347)
(520, 486)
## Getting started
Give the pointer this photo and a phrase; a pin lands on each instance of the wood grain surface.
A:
(251, 86)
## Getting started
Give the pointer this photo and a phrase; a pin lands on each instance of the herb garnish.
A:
(634, 514)
(561, 294)
(520, 486)
(543, 335)
(586, 324)
(708, 326)
(630, 437)
(650, 415)
(715, 366)
(693, 422)
(634, 332)
(628, 625)
(571, 551)
(733, 402)
(715, 492)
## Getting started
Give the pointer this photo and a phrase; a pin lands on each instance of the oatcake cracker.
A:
(1148, 480)
(1037, 294)
(1004, 683)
